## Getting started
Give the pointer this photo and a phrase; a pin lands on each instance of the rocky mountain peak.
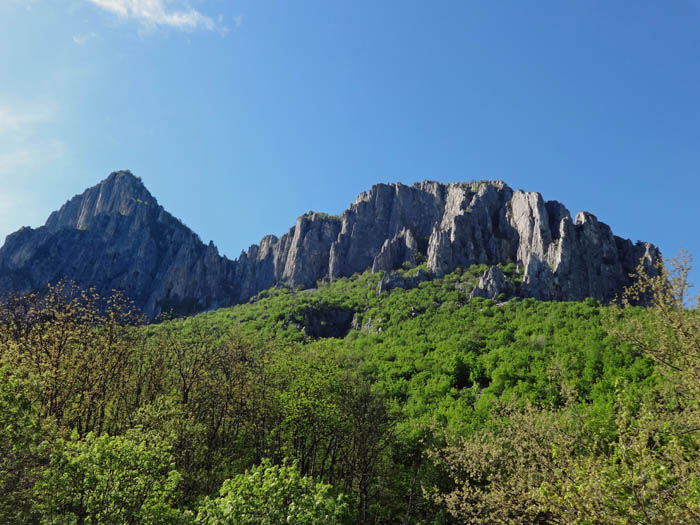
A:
(121, 193)
(116, 236)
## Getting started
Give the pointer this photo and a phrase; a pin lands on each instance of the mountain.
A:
(115, 235)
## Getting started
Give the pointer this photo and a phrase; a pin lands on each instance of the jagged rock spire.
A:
(116, 235)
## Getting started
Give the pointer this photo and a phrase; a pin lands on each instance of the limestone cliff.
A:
(116, 236)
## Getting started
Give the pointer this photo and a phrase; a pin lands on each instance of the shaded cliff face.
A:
(116, 236)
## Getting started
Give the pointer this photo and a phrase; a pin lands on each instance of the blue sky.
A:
(241, 115)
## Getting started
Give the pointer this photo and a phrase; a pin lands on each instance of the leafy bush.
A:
(274, 495)
(110, 479)
(21, 451)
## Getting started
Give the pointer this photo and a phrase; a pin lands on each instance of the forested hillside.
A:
(353, 402)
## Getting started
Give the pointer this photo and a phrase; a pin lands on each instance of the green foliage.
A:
(110, 479)
(274, 495)
(20, 451)
(637, 463)
(326, 216)
(73, 350)
(531, 409)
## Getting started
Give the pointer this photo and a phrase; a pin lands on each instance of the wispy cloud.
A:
(82, 39)
(157, 13)
(15, 120)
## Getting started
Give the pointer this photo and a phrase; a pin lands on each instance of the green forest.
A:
(349, 403)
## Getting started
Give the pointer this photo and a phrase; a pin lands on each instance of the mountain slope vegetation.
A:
(367, 405)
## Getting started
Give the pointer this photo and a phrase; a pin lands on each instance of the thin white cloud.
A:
(15, 120)
(82, 39)
(157, 13)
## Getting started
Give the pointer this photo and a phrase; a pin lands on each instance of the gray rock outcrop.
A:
(492, 284)
(396, 252)
(116, 236)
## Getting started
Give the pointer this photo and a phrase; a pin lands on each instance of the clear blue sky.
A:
(241, 115)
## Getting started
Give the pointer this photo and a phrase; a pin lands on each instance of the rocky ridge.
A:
(116, 236)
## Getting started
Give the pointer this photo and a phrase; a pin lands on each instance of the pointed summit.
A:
(122, 193)
(126, 181)
(115, 235)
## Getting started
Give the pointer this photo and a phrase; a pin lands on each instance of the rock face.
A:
(492, 284)
(298, 258)
(116, 236)
(396, 252)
